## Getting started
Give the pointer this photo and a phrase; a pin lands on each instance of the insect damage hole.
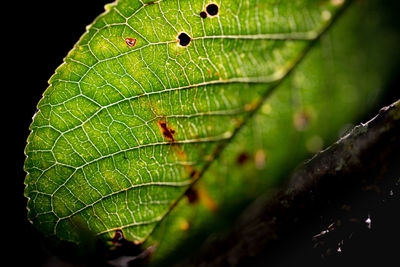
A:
(212, 9)
(184, 39)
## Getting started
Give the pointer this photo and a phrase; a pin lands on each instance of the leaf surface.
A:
(135, 115)
(341, 78)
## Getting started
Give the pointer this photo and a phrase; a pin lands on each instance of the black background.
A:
(37, 36)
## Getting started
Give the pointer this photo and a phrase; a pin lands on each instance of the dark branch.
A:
(365, 160)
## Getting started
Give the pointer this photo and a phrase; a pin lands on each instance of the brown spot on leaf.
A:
(131, 42)
(242, 158)
(192, 195)
(193, 173)
(167, 132)
(203, 14)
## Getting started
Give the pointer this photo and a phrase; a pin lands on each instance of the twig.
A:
(356, 161)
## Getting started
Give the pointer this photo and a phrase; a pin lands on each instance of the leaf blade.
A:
(101, 116)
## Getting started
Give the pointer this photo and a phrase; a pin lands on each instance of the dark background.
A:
(41, 35)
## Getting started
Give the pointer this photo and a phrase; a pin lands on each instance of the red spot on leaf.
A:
(131, 42)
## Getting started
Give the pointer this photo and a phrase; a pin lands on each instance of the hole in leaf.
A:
(184, 39)
(203, 14)
(212, 9)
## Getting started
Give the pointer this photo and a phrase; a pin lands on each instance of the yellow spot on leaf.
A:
(266, 109)
(260, 159)
(206, 199)
(184, 225)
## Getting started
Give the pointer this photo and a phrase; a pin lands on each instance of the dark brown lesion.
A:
(192, 195)
(167, 131)
(192, 173)
(151, 3)
(242, 158)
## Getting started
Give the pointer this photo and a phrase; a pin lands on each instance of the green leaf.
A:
(341, 78)
(137, 113)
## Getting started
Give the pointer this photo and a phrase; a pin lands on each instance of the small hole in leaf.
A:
(203, 14)
(184, 39)
(212, 9)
